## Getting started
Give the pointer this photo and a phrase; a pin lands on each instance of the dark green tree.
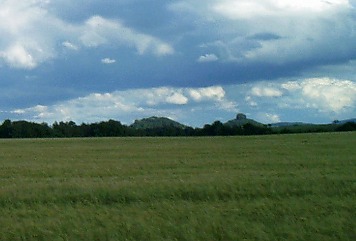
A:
(6, 129)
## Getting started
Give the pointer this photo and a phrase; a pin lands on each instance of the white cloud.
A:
(177, 98)
(163, 49)
(302, 99)
(252, 9)
(39, 110)
(266, 92)
(246, 9)
(215, 94)
(250, 101)
(158, 96)
(301, 29)
(70, 45)
(94, 107)
(322, 94)
(108, 61)
(242, 9)
(17, 56)
(27, 33)
(130, 104)
(99, 31)
(181, 96)
(207, 58)
(227, 105)
(273, 118)
(201, 94)
(19, 111)
(261, 94)
(329, 94)
(291, 85)
(311, 5)
(30, 34)
(268, 117)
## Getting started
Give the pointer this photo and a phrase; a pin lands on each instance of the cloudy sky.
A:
(195, 61)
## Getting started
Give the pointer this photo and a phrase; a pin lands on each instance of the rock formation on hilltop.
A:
(241, 119)
(156, 122)
(241, 116)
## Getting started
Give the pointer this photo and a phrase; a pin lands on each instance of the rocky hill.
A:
(156, 122)
(240, 120)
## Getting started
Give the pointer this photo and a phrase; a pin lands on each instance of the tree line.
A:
(113, 128)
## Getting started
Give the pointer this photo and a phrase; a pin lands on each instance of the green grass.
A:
(289, 187)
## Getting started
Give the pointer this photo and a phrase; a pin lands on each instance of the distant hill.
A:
(156, 122)
(286, 124)
(240, 120)
(346, 121)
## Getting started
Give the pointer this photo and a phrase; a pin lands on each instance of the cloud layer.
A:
(276, 31)
(270, 31)
(194, 61)
(33, 34)
(130, 104)
(328, 97)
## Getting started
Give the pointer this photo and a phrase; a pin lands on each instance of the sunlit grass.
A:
(290, 187)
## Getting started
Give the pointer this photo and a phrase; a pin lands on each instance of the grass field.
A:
(288, 187)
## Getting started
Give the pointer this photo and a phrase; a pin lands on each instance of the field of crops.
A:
(278, 187)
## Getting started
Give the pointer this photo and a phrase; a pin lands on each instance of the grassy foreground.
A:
(290, 187)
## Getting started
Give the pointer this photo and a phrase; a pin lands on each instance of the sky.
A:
(194, 61)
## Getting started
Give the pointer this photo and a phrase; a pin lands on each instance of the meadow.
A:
(275, 187)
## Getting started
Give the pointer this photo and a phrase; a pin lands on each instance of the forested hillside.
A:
(158, 126)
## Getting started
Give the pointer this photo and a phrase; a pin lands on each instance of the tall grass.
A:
(290, 187)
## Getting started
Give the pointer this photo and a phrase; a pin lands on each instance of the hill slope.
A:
(156, 122)
(241, 120)
(353, 120)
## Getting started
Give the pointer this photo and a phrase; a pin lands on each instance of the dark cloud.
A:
(264, 36)
(55, 50)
